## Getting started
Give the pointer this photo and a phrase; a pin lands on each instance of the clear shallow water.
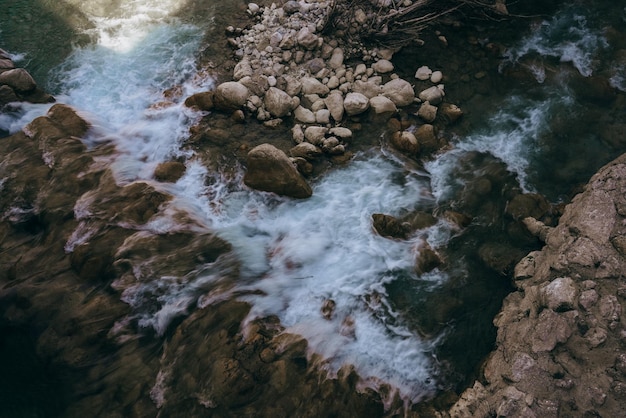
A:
(296, 255)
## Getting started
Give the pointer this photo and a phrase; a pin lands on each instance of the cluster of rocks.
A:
(288, 69)
(561, 339)
(17, 85)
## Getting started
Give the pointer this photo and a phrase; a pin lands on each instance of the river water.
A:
(420, 333)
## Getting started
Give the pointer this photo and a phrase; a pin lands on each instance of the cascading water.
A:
(296, 255)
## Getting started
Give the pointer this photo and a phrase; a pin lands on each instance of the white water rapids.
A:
(295, 255)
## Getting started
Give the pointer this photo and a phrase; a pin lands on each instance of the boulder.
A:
(66, 118)
(355, 103)
(305, 150)
(405, 141)
(230, 96)
(312, 85)
(426, 138)
(383, 66)
(304, 115)
(427, 259)
(242, 69)
(450, 112)
(370, 88)
(169, 171)
(382, 108)
(7, 95)
(334, 103)
(433, 95)
(315, 134)
(423, 73)
(202, 101)
(270, 169)
(399, 91)
(427, 112)
(389, 226)
(19, 80)
(277, 102)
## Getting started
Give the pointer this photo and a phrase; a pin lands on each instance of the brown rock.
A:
(406, 142)
(19, 80)
(427, 259)
(169, 171)
(389, 226)
(66, 117)
(269, 169)
(202, 101)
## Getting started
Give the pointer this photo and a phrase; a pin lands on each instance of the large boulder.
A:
(406, 142)
(19, 80)
(270, 169)
(382, 108)
(355, 103)
(399, 91)
(230, 96)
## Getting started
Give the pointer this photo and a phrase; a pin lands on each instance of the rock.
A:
(277, 102)
(256, 84)
(315, 134)
(6, 64)
(382, 108)
(406, 142)
(202, 101)
(382, 66)
(389, 226)
(433, 95)
(370, 88)
(315, 66)
(253, 9)
(399, 91)
(426, 138)
(242, 69)
(450, 112)
(322, 116)
(169, 171)
(423, 73)
(307, 39)
(436, 77)
(551, 328)
(305, 150)
(427, 259)
(334, 103)
(355, 103)
(560, 294)
(297, 133)
(427, 112)
(68, 120)
(304, 115)
(291, 7)
(269, 169)
(341, 132)
(336, 60)
(312, 85)
(230, 96)
(293, 86)
(537, 228)
(7, 95)
(528, 205)
(19, 80)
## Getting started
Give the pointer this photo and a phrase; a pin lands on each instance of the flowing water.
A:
(114, 64)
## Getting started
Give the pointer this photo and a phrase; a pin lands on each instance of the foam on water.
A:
(567, 37)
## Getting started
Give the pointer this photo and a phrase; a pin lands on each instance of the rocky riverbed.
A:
(78, 248)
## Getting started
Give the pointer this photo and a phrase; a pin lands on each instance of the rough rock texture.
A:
(270, 170)
(561, 342)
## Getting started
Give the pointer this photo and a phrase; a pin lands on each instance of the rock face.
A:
(270, 170)
(560, 337)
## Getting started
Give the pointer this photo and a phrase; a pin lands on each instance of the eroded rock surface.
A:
(560, 337)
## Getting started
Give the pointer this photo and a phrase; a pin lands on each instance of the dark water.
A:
(544, 109)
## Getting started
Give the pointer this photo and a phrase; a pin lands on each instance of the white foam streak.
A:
(566, 37)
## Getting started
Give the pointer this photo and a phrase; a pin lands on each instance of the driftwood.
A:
(391, 24)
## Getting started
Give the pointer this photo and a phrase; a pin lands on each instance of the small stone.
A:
(436, 77)
(423, 73)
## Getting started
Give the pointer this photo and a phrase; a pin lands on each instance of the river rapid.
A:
(537, 121)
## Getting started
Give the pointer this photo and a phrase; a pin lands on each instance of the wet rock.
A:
(19, 80)
(405, 141)
(202, 101)
(528, 205)
(68, 120)
(306, 150)
(389, 226)
(169, 171)
(427, 112)
(427, 259)
(427, 138)
(269, 169)
(450, 112)
(7, 95)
